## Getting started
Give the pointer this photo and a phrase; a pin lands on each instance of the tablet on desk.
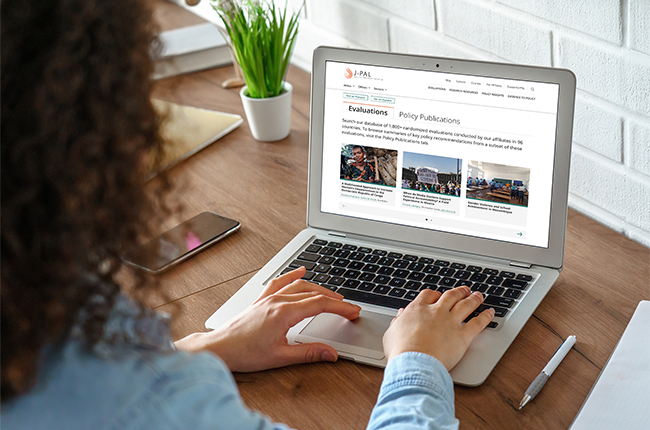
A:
(187, 130)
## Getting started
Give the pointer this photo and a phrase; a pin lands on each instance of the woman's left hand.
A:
(256, 339)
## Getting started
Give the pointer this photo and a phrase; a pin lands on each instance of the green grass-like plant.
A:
(263, 39)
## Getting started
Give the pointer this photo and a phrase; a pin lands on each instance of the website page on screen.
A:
(456, 153)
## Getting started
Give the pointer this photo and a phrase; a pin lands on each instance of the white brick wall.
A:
(605, 42)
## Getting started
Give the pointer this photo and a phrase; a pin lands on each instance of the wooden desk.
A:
(264, 186)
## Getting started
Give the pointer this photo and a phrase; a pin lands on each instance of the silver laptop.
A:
(431, 173)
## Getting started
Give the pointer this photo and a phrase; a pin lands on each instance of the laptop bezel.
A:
(552, 256)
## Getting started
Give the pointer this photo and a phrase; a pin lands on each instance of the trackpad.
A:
(359, 337)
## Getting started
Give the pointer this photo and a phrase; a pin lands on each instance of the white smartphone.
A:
(181, 242)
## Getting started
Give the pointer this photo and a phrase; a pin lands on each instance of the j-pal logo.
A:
(348, 74)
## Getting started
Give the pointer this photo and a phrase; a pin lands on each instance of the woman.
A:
(77, 131)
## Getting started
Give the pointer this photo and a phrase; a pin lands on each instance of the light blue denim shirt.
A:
(132, 383)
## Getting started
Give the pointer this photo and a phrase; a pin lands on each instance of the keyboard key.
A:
(413, 285)
(381, 279)
(493, 324)
(327, 260)
(503, 302)
(337, 271)
(385, 261)
(457, 266)
(352, 283)
(513, 294)
(375, 299)
(401, 273)
(481, 288)
(497, 291)
(371, 258)
(365, 276)
(397, 292)
(286, 270)
(443, 289)
(381, 289)
(526, 278)
(308, 256)
(446, 271)
(320, 242)
(432, 270)
(356, 256)
(409, 257)
(514, 283)
(507, 274)
(366, 286)
(416, 276)
(395, 255)
(352, 274)
(478, 277)
(425, 260)
(491, 271)
(494, 280)
(462, 283)
(498, 312)
(322, 268)
(313, 248)
(296, 264)
(380, 252)
(397, 282)
(341, 262)
(335, 244)
(429, 287)
(462, 274)
(474, 268)
(431, 279)
(336, 280)
(328, 250)
(411, 295)
(416, 267)
(349, 247)
(442, 263)
(373, 268)
(356, 265)
(331, 287)
(341, 253)
(401, 264)
(385, 270)
(447, 282)
(321, 277)
(364, 250)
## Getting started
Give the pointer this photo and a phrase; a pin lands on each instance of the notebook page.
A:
(620, 399)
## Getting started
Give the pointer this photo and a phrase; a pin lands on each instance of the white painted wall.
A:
(605, 42)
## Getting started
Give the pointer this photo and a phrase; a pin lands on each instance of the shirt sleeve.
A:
(417, 393)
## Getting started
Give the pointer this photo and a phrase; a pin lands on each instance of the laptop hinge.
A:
(518, 264)
(337, 234)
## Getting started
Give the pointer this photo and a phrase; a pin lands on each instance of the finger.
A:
(399, 312)
(308, 353)
(427, 297)
(282, 281)
(300, 286)
(477, 324)
(466, 306)
(317, 304)
(451, 297)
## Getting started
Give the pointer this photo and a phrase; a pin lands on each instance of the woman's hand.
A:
(256, 339)
(432, 324)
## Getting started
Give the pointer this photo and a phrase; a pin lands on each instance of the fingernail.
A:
(329, 356)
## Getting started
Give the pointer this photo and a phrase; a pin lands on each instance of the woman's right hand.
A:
(432, 324)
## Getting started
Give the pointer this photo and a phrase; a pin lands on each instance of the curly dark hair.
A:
(77, 128)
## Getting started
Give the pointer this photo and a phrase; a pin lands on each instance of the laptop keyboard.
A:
(393, 279)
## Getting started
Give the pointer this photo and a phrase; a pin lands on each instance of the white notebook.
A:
(620, 399)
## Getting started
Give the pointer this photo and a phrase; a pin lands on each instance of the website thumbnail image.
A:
(498, 183)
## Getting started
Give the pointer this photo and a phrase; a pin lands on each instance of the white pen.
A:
(541, 379)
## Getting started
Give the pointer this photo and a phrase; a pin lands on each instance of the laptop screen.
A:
(456, 153)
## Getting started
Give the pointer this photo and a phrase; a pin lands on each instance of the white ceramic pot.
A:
(269, 119)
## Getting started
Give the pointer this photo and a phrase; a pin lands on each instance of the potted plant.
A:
(262, 38)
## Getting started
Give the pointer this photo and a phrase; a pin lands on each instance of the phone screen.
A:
(181, 242)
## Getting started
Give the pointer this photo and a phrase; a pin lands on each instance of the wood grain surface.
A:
(264, 186)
